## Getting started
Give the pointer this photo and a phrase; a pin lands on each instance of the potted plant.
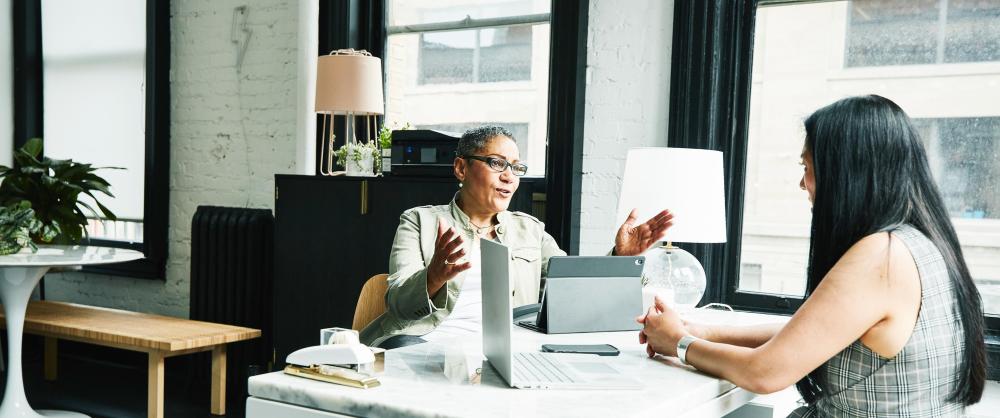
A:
(358, 158)
(18, 224)
(385, 145)
(52, 188)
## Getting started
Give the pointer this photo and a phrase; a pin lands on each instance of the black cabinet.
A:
(332, 234)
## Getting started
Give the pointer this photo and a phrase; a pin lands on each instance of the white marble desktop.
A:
(441, 380)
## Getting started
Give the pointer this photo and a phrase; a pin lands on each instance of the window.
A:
(799, 65)
(904, 32)
(506, 94)
(93, 83)
(94, 63)
(469, 63)
(963, 153)
(476, 56)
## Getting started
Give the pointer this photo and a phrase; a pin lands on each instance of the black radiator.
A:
(232, 270)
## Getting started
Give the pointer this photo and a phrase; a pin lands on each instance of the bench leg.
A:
(154, 390)
(51, 358)
(219, 380)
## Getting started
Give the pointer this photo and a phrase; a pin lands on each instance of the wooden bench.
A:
(159, 336)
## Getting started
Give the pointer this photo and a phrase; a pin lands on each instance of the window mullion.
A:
(476, 52)
(942, 23)
(470, 23)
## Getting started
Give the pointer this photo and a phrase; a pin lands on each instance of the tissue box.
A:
(326, 335)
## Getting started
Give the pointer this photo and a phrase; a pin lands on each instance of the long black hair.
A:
(872, 175)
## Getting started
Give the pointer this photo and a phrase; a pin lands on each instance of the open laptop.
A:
(532, 369)
(590, 294)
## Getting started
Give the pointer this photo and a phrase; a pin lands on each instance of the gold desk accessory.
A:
(334, 374)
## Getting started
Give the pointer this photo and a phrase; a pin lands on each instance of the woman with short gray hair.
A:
(434, 272)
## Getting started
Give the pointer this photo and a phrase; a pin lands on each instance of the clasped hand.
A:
(662, 329)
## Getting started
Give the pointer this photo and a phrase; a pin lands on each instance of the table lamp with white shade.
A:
(348, 82)
(688, 182)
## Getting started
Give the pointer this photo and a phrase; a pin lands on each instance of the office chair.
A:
(371, 301)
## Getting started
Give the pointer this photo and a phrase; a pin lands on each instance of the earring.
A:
(459, 185)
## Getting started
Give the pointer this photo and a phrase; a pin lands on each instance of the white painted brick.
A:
(628, 58)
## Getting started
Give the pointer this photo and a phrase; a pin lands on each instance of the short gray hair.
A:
(475, 140)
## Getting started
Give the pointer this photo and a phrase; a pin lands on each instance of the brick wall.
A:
(628, 83)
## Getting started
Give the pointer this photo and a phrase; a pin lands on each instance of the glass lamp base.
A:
(673, 274)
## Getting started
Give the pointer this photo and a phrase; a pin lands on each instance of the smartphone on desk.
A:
(599, 349)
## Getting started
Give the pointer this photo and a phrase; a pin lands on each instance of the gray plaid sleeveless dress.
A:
(916, 382)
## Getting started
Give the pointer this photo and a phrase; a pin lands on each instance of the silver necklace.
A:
(481, 230)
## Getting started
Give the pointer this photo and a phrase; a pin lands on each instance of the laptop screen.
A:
(497, 313)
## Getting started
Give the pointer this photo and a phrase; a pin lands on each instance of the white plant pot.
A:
(386, 160)
(361, 168)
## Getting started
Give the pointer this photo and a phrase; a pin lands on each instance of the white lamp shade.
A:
(349, 83)
(686, 181)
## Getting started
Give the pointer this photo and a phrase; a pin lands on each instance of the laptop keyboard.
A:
(538, 367)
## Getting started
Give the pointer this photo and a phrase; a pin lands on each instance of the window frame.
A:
(29, 121)
(362, 25)
(468, 25)
(710, 109)
(475, 83)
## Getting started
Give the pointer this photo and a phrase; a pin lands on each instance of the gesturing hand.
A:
(662, 329)
(444, 264)
(635, 240)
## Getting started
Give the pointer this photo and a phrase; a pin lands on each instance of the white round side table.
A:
(19, 274)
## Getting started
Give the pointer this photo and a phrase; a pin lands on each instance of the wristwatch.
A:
(682, 347)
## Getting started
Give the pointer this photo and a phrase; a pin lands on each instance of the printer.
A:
(423, 152)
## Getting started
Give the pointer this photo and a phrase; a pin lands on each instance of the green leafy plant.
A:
(385, 135)
(18, 224)
(385, 143)
(53, 187)
(354, 153)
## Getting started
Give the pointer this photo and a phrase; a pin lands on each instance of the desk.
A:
(19, 273)
(439, 380)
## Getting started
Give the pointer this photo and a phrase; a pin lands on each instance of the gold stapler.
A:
(343, 361)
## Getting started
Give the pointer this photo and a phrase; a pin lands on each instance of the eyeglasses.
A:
(500, 164)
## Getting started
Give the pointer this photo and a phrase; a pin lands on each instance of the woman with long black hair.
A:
(892, 324)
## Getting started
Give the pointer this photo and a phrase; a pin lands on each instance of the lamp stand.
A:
(675, 275)
(329, 139)
(326, 147)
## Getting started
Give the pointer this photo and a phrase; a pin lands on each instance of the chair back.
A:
(371, 301)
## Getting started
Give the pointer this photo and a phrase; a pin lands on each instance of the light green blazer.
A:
(410, 311)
